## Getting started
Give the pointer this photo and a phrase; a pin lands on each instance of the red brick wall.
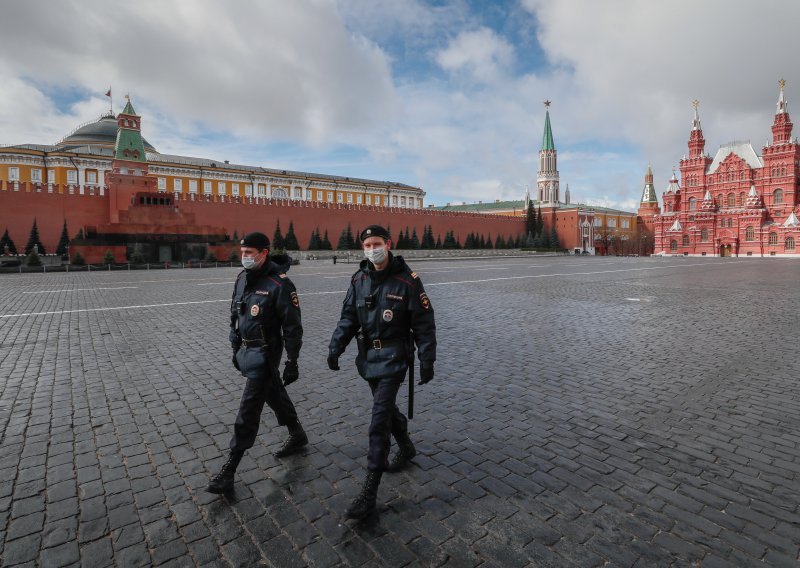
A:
(18, 209)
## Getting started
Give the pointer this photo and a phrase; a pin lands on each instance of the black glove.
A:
(290, 372)
(425, 373)
(235, 362)
(333, 362)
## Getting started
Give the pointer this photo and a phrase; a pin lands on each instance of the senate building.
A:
(738, 203)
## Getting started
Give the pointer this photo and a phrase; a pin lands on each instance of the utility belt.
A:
(255, 343)
(377, 344)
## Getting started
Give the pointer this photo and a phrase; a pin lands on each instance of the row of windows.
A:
(733, 200)
(611, 223)
(749, 235)
(773, 240)
(261, 189)
(293, 193)
(36, 176)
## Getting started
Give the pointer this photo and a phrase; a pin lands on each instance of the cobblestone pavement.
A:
(585, 412)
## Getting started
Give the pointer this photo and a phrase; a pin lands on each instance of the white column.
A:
(81, 179)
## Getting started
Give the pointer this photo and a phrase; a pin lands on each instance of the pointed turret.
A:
(782, 125)
(649, 202)
(129, 146)
(547, 137)
(708, 202)
(753, 198)
(566, 195)
(697, 143)
(547, 178)
(649, 193)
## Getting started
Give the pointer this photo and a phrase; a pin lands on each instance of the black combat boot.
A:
(364, 503)
(295, 442)
(223, 481)
(405, 451)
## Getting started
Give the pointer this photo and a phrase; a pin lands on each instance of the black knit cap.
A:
(374, 231)
(258, 241)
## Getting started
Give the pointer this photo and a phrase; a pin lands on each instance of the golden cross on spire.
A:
(782, 83)
(695, 104)
(546, 104)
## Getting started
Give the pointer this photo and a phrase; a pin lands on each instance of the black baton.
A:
(411, 375)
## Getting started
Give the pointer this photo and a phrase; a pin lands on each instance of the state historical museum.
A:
(739, 203)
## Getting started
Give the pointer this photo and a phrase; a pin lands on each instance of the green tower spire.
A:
(129, 144)
(547, 138)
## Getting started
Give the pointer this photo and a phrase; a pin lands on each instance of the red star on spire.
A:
(546, 104)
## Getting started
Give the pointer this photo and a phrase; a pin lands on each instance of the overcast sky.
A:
(444, 95)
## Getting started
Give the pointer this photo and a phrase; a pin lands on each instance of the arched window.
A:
(790, 243)
(692, 204)
(673, 245)
(731, 200)
(773, 238)
(704, 235)
(686, 240)
(777, 197)
(730, 222)
(741, 199)
(749, 234)
(722, 222)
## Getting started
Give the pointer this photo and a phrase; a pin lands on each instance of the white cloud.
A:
(480, 53)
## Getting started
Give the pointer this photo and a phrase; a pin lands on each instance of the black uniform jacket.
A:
(398, 305)
(265, 310)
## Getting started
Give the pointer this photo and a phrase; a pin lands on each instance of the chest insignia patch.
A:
(388, 315)
(424, 301)
(254, 310)
(295, 300)
(395, 297)
(262, 292)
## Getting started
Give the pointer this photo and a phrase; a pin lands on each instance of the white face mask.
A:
(376, 255)
(248, 262)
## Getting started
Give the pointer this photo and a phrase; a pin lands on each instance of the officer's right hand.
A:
(333, 362)
(235, 362)
(425, 373)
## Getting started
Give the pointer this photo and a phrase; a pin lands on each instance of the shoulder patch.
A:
(295, 299)
(424, 301)
(414, 275)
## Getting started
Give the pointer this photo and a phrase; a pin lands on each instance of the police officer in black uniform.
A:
(265, 316)
(386, 308)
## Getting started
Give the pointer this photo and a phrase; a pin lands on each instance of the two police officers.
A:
(265, 316)
(387, 310)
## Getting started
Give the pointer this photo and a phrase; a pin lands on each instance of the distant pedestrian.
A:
(265, 315)
(384, 308)
(334, 259)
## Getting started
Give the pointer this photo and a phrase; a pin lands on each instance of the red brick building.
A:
(737, 204)
(106, 182)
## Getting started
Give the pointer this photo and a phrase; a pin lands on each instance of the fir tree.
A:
(290, 242)
(326, 243)
(7, 242)
(235, 237)
(352, 243)
(108, 258)
(469, 243)
(314, 241)
(79, 236)
(539, 224)
(482, 242)
(278, 242)
(414, 241)
(530, 218)
(544, 239)
(489, 241)
(63, 242)
(439, 241)
(554, 238)
(33, 240)
(343, 244)
(449, 241)
(401, 241)
(499, 243)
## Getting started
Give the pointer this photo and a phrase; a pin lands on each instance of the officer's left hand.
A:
(425, 373)
(290, 372)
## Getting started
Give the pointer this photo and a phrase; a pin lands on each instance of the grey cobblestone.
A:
(572, 421)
